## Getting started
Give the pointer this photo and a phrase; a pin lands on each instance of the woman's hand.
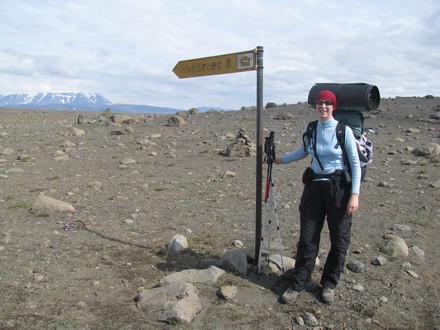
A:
(277, 161)
(353, 203)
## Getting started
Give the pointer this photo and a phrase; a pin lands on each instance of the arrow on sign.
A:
(220, 64)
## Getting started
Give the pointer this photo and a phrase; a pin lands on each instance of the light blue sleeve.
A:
(353, 159)
(294, 156)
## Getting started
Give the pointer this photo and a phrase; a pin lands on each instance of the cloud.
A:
(127, 49)
(13, 64)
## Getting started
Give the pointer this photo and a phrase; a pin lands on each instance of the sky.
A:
(126, 49)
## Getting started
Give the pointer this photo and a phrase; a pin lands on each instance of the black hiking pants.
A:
(320, 200)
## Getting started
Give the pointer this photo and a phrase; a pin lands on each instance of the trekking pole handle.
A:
(269, 148)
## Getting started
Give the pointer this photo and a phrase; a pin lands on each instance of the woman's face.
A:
(324, 109)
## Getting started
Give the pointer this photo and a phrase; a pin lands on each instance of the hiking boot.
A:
(289, 296)
(328, 295)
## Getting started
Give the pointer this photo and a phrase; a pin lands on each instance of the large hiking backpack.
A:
(353, 100)
(352, 118)
(355, 120)
(364, 146)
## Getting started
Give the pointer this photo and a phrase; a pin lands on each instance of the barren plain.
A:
(136, 185)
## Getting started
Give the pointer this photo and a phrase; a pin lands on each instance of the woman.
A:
(327, 194)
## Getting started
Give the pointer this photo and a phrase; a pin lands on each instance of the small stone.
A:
(78, 132)
(310, 320)
(268, 269)
(238, 244)
(227, 292)
(229, 174)
(62, 157)
(300, 321)
(408, 162)
(418, 251)
(384, 184)
(95, 185)
(412, 273)
(412, 130)
(379, 261)
(358, 287)
(383, 299)
(356, 266)
(7, 151)
(398, 227)
(406, 265)
(39, 278)
(128, 161)
(177, 243)
(122, 119)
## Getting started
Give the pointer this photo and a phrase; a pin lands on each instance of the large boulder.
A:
(234, 261)
(209, 275)
(45, 203)
(395, 246)
(173, 303)
(175, 121)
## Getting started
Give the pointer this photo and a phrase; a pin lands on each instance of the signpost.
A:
(231, 63)
(221, 64)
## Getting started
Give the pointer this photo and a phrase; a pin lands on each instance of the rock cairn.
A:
(242, 146)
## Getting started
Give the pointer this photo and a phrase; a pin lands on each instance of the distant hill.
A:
(75, 101)
(205, 108)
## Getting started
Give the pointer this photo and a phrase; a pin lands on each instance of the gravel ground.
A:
(125, 215)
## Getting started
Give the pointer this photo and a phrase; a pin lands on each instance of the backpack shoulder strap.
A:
(307, 135)
(310, 135)
(340, 135)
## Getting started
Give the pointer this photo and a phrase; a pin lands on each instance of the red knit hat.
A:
(327, 96)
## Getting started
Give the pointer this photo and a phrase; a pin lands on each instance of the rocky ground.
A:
(135, 185)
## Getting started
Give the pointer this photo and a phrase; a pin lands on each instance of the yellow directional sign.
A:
(220, 64)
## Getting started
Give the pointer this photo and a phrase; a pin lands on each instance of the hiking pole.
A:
(269, 149)
(277, 222)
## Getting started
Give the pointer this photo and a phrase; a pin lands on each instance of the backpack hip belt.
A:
(332, 176)
(338, 175)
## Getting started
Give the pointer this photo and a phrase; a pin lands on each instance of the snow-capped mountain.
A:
(74, 101)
